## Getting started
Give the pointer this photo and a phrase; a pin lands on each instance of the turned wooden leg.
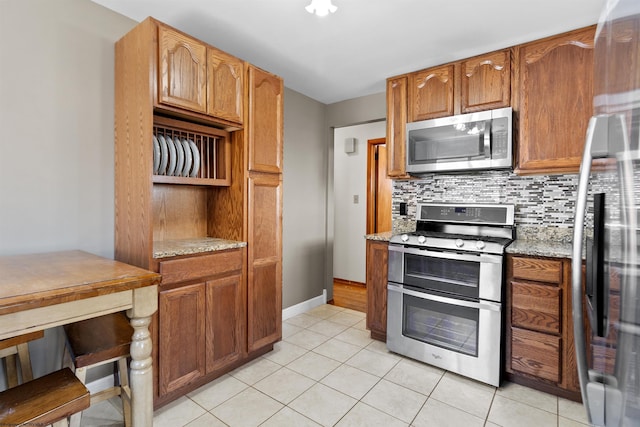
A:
(145, 303)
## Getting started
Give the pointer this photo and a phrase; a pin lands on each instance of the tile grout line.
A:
(367, 346)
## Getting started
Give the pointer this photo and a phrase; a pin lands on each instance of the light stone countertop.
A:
(169, 248)
(399, 226)
(546, 248)
(382, 237)
(552, 242)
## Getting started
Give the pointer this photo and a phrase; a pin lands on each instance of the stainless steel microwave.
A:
(464, 142)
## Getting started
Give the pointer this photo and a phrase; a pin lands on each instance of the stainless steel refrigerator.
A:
(605, 262)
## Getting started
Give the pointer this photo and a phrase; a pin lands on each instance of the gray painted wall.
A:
(56, 147)
(305, 193)
(56, 143)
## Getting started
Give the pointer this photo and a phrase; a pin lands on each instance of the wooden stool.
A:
(19, 346)
(95, 342)
(43, 401)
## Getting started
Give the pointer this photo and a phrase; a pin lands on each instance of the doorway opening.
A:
(379, 187)
(352, 294)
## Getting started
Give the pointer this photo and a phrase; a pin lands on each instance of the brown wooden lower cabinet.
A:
(536, 354)
(200, 330)
(264, 260)
(377, 259)
(182, 336)
(225, 323)
(539, 328)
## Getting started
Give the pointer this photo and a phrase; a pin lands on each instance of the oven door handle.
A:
(495, 259)
(482, 305)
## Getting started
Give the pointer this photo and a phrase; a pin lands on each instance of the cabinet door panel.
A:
(536, 307)
(431, 93)
(556, 97)
(225, 321)
(181, 314)
(265, 121)
(539, 270)
(265, 304)
(182, 71)
(486, 81)
(396, 122)
(264, 284)
(225, 78)
(265, 216)
(377, 260)
(536, 354)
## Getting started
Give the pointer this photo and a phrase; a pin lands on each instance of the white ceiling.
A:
(350, 53)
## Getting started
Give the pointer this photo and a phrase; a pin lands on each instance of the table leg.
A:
(141, 373)
(145, 303)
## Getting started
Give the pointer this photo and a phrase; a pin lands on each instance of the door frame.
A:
(371, 183)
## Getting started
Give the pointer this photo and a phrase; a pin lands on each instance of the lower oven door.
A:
(457, 335)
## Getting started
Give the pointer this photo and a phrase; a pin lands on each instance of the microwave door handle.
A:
(487, 139)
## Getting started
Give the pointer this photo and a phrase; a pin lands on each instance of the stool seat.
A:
(98, 341)
(19, 346)
(47, 400)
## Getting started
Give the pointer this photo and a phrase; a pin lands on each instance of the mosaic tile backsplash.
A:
(545, 200)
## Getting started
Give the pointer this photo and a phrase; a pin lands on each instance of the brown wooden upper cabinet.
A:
(224, 85)
(264, 131)
(199, 78)
(485, 81)
(554, 93)
(396, 120)
(475, 84)
(183, 70)
(431, 93)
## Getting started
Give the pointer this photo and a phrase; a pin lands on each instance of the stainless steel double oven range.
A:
(445, 288)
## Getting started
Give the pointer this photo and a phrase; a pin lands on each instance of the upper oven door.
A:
(472, 275)
(468, 141)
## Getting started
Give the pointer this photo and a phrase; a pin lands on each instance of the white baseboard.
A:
(307, 305)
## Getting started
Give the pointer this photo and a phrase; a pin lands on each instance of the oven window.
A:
(444, 275)
(444, 325)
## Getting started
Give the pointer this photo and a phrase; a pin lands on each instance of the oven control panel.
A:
(485, 214)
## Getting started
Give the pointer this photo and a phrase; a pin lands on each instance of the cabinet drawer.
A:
(536, 307)
(536, 354)
(192, 268)
(539, 270)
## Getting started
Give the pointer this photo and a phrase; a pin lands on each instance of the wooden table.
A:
(41, 291)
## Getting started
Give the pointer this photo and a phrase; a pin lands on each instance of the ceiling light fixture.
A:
(321, 7)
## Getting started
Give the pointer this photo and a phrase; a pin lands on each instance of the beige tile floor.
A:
(328, 372)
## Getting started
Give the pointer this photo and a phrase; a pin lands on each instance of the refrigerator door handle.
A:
(597, 133)
(599, 286)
